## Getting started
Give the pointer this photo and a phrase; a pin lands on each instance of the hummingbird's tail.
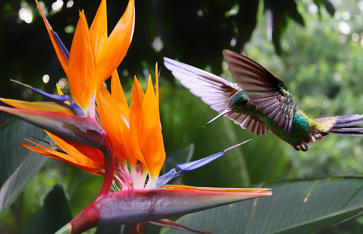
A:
(351, 125)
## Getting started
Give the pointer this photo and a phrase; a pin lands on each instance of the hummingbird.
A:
(259, 102)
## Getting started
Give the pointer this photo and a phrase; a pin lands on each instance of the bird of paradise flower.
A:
(97, 131)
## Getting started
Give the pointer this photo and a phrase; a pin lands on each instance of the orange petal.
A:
(118, 93)
(256, 191)
(157, 83)
(98, 31)
(81, 65)
(115, 124)
(58, 50)
(43, 106)
(151, 139)
(75, 158)
(87, 154)
(136, 104)
(115, 47)
(135, 121)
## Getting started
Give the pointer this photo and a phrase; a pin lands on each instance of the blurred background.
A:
(314, 46)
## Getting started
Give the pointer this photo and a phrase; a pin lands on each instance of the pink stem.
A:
(85, 220)
(89, 216)
(109, 168)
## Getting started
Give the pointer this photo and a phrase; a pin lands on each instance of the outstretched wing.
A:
(214, 91)
(251, 123)
(266, 92)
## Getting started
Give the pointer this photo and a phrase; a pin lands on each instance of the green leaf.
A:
(248, 15)
(181, 156)
(318, 4)
(267, 158)
(183, 127)
(17, 164)
(105, 229)
(54, 213)
(291, 10)
(329, 7)
(82, 188)
(11, 153)
(276, 23)
(298, 206)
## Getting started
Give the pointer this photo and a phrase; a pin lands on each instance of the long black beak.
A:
(226, 111)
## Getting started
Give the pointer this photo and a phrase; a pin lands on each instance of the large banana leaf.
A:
(54, 213)
(17, 164)
(297, 206)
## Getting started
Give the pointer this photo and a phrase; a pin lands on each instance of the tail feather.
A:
(347, 133)
(351, 125)
(346, 129)
(348, 118)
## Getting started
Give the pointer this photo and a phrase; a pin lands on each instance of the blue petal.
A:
(164, 179)
(60, 99)
(54, 97)
(189, 166)
(60, 44)
(77, 110)
(57, 39)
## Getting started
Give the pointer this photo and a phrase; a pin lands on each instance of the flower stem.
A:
(109, 168)
(86, 219)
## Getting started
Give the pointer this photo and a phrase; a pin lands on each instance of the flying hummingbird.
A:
(259, 101)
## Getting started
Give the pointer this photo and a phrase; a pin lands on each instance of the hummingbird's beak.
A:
(226, 111)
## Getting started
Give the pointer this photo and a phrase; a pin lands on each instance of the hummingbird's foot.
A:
(301, 147)
(318, 136)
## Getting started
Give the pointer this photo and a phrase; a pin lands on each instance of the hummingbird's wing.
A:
(251, 123)
(266, 92)
(214, 91)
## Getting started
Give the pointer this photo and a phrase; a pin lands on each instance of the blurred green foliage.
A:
(320, 62)
(323, 71)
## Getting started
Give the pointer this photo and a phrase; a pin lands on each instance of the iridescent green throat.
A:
(302, 125)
